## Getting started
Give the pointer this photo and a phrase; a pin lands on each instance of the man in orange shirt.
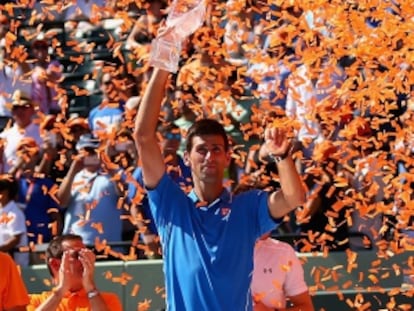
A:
(13, 293)
(72, 267)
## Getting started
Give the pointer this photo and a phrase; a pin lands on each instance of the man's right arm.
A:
(152, 161)
(64, 193)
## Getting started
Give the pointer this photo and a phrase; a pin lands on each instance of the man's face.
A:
(22, 115)
(108, 86)
(40, 51)
(208, 158)
(171, 143)
(75, 265)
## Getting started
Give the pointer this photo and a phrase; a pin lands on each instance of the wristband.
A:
(278, 158)
(92, 294)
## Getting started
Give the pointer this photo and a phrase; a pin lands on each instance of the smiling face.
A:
(208, 158)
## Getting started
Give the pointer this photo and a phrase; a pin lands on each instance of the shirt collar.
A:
(225, 197)
(79, 293)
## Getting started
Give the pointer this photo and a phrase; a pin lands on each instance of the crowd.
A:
(339, 91)
(82, 173)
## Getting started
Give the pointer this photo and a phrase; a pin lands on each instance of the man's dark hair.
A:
(55, 249)
(206, 127)
(9, 183)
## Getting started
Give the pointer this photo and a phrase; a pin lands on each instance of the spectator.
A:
(72, 267)
(110, 113)
(323, 222)
(59, 145)
(278, 278)
(46, 75)
(36, 194)
(312, 96)
(13, 231)
(208, 236)
(13, 73)
(177, 170)
(23, 112)
(90, 196)
(13, 293)
(146, 26)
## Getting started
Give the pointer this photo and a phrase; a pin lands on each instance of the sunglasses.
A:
(20, 107)
(172, 136)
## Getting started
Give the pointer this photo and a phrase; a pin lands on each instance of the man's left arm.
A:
(292, 193)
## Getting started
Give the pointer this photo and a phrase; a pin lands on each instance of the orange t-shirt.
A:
(75, 302)
(13, 292)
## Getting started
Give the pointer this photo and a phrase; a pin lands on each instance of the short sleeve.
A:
(18, 224)
(112, 301)
(15, 291)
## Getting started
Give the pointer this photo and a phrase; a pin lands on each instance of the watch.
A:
(281, 157)
(92, 294)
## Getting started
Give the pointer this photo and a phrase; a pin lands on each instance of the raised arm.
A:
(292, 193)
(152, 161)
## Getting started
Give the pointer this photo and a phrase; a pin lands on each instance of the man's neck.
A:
(23, 126)
(207, 192)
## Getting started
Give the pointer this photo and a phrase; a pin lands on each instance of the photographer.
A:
(90, 196)
(72, 267)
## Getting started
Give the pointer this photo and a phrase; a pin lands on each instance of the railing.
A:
(340, 280)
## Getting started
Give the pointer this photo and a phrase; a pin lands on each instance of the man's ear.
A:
(54, 265)
(228, 157)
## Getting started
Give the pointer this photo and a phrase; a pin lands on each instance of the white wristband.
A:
(92, 294)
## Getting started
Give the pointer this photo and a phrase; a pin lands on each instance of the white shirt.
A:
(12, 137)
(277, 274)
(12, 223)
(9, 82)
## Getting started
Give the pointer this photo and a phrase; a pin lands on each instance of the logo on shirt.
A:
(225, 213)
(267, 270)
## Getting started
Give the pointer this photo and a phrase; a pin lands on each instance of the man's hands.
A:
(74, 265)
(66, 271)
(277, 141)
(87, 258)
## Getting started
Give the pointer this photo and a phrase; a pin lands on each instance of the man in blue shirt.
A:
(208, 237)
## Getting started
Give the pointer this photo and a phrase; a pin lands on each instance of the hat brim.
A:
(83, 145)
(22, 103)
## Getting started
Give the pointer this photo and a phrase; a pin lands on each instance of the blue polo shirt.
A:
(208, 250)
(101, 118)
(35, 198)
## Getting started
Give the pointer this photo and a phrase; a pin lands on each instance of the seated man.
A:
(278, 278)
(13, 293)
(72, 267)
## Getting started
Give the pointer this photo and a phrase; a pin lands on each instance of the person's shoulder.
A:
(110, 295)
(5, 259)
(12, 208)
(249, 193)
(278, 246)
(37, 299)
(112, 300)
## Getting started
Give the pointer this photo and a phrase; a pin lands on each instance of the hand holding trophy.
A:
(185, 17)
